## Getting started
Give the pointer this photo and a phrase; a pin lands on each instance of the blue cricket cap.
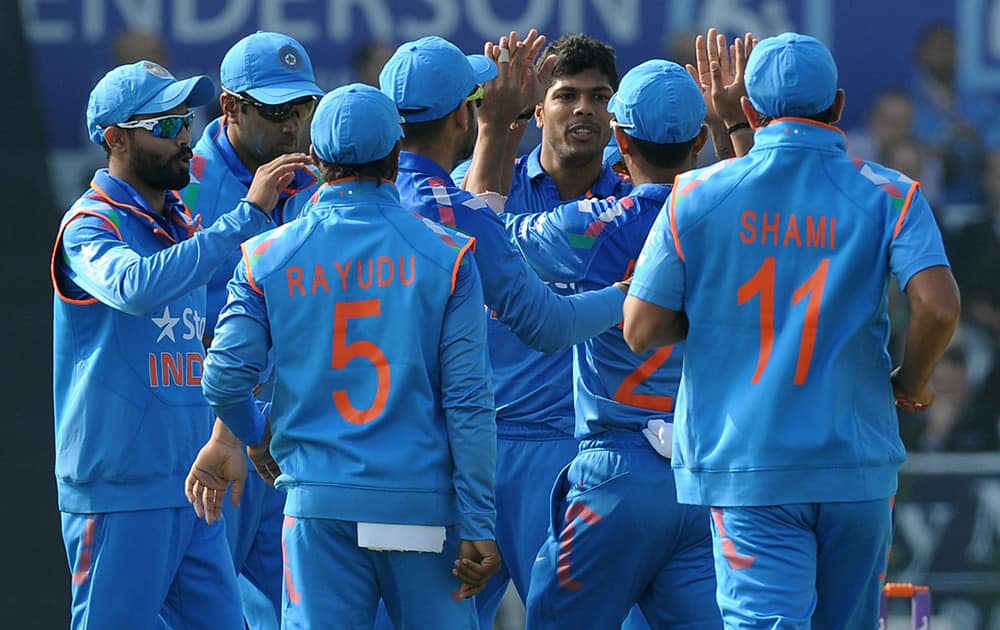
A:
(355, 124)
(659, 102)
(430, 77)
(270, 67)
(791, 75)
(142, 87)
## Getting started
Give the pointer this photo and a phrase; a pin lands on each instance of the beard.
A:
(159, 172)
(469, 141)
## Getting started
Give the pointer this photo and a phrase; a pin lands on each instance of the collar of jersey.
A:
(656, 193)
(356, 190)
(603, 187)
(800, 132)
(122, 192)
(417, 163)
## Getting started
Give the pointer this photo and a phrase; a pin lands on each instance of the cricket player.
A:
(268, 96)
(440, 127)
(382, 417)
(774, 268)
(129, 268)
(610, 546)
(535, 416)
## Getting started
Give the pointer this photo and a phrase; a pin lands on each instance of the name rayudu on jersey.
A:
(787, 229)
(377, 271)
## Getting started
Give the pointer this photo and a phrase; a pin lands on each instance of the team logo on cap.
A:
(157, 70)
(289, 58)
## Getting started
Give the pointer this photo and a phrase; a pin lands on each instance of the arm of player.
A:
(654, 314)
(934, 312)
(555, 243)
(467, 401)
(541, 319)
(918, 260)
(236, 359)
(104, 266)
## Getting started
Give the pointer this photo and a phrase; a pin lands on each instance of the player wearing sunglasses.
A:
(128, 268)
(268, 97)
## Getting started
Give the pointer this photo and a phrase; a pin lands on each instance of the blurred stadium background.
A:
(922, 96)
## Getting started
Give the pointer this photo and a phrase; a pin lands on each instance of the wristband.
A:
(737, 127)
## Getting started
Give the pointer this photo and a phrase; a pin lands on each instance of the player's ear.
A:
(624, 147)
(700, 140)
(116, 139)
(539, 116)
(838, 106)
(230, 107)
(752, 115)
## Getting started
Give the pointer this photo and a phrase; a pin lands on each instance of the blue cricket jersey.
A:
(592, 243)
(129, 316)
(781, 261)
(512, 290)
(534, 388)
(382, 408)
(219, 179)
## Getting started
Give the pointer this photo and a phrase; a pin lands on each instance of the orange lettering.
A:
(747, 221)
(192, 359)
(792, 231)
(382, 280)
(154, 379)
(371, 276)
(295, 276)
(815, 233)
(172, 367)
(319, 278)
(343, 273)
(770, 228)
(833, 231)
(402, 267)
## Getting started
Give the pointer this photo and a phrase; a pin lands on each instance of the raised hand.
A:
(271, 178)
(719, 72)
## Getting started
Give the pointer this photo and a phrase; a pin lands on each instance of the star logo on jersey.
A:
(166, 324)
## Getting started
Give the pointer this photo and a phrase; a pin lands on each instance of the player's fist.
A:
(478, 561)
(909, 397)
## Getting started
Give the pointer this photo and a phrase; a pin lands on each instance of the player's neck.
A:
(442, 154)
(651, 175)
(155, 199)
(571, 180)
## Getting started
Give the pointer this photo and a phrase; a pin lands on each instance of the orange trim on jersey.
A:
(107, 199)
(246, 263)
(58, 245)
(810, 121)
(906, 207)
(471, 245)
(673, 222)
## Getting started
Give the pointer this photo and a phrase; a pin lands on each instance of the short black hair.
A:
(382, 168)
(826, 117)
(662, 155)
(578, 52)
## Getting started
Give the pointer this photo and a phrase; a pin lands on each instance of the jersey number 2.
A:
(344, 353)
(762, 284)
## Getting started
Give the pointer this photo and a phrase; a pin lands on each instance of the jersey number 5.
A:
(762, 284)
(344, 353)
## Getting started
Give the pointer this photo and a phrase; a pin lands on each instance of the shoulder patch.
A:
(892, 182)
(687, 182)
(257, 246)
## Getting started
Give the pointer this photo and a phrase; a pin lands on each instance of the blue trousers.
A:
(150, 569)
(619, 538)
(330, 582)
(808, 566)
(254, 534)
(527, 466)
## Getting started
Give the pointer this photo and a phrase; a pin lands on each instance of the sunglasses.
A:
(281, 112)
(167, 127)
(477, 95)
